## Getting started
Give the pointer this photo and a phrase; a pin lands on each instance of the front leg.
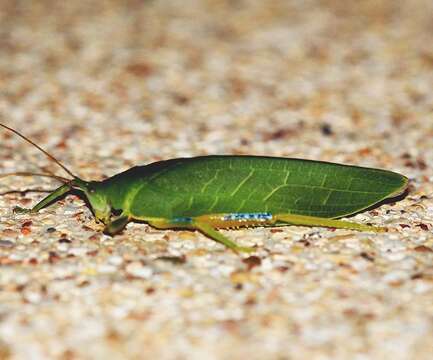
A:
(59, 192)
(116, 225)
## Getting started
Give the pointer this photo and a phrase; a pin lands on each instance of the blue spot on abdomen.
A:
(262, 216)
(181, 220)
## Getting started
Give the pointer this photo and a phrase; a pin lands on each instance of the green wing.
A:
(229, 184)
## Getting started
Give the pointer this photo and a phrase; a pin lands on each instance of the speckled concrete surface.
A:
(105, 85)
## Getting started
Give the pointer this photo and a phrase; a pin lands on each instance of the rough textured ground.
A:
(108, 84)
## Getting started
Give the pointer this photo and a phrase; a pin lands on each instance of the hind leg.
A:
(208, 224)
(317, 221)
(236, 220)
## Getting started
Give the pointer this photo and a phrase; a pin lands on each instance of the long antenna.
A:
(39, 148)
(28, 173)
(24, 192)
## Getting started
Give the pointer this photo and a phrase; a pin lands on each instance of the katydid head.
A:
(93, 190)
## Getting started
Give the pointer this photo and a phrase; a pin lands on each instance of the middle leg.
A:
(201, 224)
(116, 225)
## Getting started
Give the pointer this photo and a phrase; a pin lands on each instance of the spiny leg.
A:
(200, 224)
(208, 224)
(214, 234)
(116, 225)
(44, 202)
(318, 221)
(236, 220)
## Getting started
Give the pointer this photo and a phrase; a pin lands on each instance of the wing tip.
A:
(402, 188)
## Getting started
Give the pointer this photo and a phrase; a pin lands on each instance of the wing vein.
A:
(273, 192)
(207, 184)
(242, 183)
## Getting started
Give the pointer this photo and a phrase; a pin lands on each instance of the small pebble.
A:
(6, 244)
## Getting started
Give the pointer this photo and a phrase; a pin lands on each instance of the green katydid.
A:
(207, 193)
